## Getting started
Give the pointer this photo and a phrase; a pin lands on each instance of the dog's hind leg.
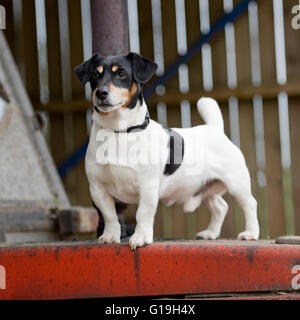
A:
(249, 206)
(192, 203)
(218, 208)
(240, 189)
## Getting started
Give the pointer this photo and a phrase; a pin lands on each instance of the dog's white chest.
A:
(120, 181)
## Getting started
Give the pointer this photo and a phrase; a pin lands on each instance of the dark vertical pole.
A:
(110, 26)
(110, 37)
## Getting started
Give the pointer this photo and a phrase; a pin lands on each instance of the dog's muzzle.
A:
(102, 94)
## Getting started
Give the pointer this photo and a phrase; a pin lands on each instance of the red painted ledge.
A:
(85, 270)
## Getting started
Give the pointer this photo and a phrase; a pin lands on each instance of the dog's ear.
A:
(143, 69)
(85, 70)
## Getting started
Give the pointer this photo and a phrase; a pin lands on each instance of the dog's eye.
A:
(122, 74)
(96, 74)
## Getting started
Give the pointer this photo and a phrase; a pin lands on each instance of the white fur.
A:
(209, 156)
(210, 112)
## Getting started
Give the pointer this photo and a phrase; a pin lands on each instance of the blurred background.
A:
(243, 53)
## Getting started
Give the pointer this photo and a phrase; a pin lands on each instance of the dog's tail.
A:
(210, 112)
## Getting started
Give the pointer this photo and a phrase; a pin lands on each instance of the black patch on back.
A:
(176, 146)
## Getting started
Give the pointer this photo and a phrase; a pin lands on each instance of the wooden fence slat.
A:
(30, 50)
(76, 57)
(247, 138)
(273, 170)
(243, 73)
(271, 122)
(193, 33)
(169, 40)
(294, 114)
(158, 222)
(145, 28)
(218, 47)
(53, 46)
(267, 41)
(57, 125)
(229, 225)
(76, 45)
(57, 141)
(81, 192)
(242, 44)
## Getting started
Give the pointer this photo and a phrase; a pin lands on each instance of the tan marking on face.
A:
(124, 93)
(115, 68)
(100, 69)
(121, 92)
(131, 94)
(133, 89)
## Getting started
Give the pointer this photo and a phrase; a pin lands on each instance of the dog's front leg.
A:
(105, 202)
(145, 216)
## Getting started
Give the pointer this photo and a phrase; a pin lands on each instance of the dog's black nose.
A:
(101, 94)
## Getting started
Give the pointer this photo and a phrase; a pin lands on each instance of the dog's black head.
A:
(116, 81)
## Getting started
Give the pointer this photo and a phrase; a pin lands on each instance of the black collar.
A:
(136, 128)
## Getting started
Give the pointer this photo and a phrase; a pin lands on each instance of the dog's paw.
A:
(248, 235)
(109, 238)
(111, 233)
(207, 235)
(139, 240)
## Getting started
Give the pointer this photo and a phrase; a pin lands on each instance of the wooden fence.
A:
(252, 68)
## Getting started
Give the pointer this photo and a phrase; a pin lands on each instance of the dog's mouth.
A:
(106, 107)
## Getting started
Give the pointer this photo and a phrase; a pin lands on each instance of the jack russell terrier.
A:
(134, 159)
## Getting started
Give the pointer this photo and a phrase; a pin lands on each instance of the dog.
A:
(196, 165)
